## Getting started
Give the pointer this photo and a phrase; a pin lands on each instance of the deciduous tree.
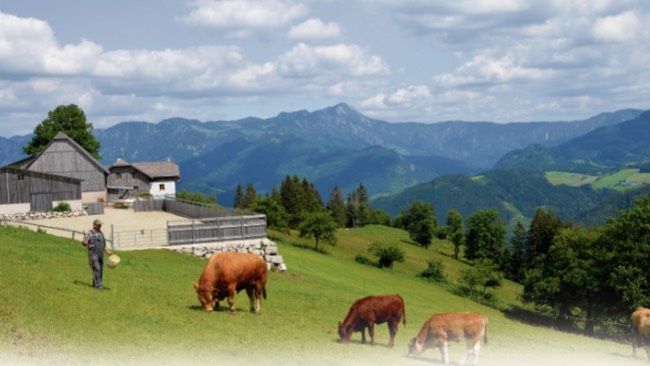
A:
(69, 119)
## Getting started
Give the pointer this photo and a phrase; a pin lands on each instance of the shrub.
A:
(120, 205)
(483, 274)
(434, 271)
(442, 232)
(362, 259)
(386, 254)
(145, 196)
(62, 207)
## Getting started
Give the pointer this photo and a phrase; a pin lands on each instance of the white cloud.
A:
(305, 60)
(314, 28)
(618, 28)
(485, 69)
(248, 14)
(27, 45)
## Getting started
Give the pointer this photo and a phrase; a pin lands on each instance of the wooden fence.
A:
(216, 229)
(148, 205)
(94, 208)
(184, 208)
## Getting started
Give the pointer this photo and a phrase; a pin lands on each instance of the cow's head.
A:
(415, 347)
(345, 332)
(205, 296)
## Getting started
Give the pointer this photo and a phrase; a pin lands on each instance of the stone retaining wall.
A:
(41, 215)
(265, 248)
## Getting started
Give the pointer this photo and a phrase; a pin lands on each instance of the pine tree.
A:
(518, 255)
(336, 207)
(543, 229)
(250, 196)
(362, 195)
(352, 208)
(275, 195)
(239, 197)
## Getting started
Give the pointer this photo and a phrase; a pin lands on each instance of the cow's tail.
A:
(264, 292)
(485, 337)
(404, 316)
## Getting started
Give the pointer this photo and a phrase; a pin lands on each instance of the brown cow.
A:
(228, 273)
(440, 328)
(371, 310)
(641, 329)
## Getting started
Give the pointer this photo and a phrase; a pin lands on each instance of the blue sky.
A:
(428, 61)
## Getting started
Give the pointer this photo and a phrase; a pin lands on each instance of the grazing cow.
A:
(440, 328)
(228, 273)
(371, 310)
(641, 329)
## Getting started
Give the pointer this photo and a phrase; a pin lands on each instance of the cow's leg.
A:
(251, 298)
(444, 351)
(363, 335)
(477, 350)
(259, 292)
(232, 290)
(371, 332)
(392, 329)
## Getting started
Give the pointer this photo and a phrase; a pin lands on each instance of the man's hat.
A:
(97, 222)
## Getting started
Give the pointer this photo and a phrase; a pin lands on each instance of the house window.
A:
(118, 175)
(161, 187)
(21, 177)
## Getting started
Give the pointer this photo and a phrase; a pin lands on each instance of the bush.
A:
(442, 232)
(62, 207)
(483, 274)
(120, 205)
(434, 271)
(145, 196)
(386, 254)
(362, 259)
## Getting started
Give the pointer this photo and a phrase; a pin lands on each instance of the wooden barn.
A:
(65, 157)
(128, 180)
(25, 190)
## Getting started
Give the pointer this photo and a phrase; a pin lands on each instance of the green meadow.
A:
(149, 313)
(619, 180)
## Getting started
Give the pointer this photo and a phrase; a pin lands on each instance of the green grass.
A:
(620, 180)
(569, 179)
(149, 312)
(614, 180)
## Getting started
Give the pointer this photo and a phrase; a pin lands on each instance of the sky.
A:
(425, 61)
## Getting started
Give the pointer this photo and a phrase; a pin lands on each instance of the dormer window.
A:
(161, 187)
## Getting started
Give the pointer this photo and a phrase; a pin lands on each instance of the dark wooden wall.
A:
(61, 158)
(20, 186)
(127, 177)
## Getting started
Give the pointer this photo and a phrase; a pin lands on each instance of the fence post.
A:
(193, 232)
(241, 226)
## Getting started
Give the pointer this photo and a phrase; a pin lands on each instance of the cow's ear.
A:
(196, 286)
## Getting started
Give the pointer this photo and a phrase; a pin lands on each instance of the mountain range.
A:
(599, 150)
(332, 146)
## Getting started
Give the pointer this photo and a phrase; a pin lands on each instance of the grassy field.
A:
(149, 313)
(620, 180)
(569, 178)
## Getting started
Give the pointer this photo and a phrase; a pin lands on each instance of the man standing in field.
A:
(96, 244)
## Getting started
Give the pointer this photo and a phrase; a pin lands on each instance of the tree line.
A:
(297, 204)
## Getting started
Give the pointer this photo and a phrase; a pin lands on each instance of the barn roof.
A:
(152, 169)
(59, 137)
(158, 169)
